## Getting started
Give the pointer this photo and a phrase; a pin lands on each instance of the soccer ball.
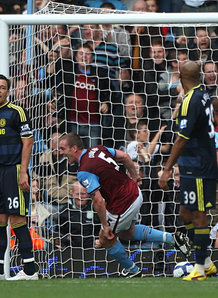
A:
(182, 269)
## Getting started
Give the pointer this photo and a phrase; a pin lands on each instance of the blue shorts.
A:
(198, 193)
(12, 199)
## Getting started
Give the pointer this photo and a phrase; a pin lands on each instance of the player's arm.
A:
(125, 159)
(177, 149)
(99, 206)
(25, 158)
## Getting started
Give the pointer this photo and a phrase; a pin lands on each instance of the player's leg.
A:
(146, 233)
(3, 242)
(118, 224)
(198, 195)
(19, 225)
(16, 203)
(186, 216)
(117, 251)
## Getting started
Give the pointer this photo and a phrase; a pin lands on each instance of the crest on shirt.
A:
(89, 214)
(183, 123)
(92, 152)
(2, 122)
(25, 127)
(86, 183)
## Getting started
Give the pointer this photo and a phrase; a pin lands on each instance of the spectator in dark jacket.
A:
(79, 224)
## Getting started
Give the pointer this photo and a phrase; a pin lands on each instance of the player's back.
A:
(98, 170)
(198, 159)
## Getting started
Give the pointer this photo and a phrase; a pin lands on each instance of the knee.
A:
(185, 215)
(200, 219)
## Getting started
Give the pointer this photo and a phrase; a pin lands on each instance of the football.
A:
(182, 269)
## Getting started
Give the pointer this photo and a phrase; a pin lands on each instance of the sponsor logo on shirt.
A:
(86, 183)
(83, 85)
(2, 122)
(183, 123)
(25, 127)
(92, 152)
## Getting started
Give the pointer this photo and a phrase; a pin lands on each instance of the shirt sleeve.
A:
(89, 181)
(189, 120)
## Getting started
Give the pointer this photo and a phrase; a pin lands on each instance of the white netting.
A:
(133, 76)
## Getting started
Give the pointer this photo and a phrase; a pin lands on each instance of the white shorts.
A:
(123, 222)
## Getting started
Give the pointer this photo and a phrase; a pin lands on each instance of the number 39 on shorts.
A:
(189, 197)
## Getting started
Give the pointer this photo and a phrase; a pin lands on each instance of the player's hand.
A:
(164, 179)
(108, 233)
(97, 243)
(24, 182)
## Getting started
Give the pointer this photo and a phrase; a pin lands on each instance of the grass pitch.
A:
(158, 287)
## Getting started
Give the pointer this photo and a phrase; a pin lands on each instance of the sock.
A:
(207, 262)
(201, 242)
(3, 245)
(25, 247)
(149, 234)
(119, 254)
(190, 232)
(200, 269)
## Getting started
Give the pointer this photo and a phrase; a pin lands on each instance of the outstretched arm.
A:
(177, 149)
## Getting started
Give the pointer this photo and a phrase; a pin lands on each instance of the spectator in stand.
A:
(141, 43)
(105, 54)
(152, 5)
(118, 4)
(79, 224)
(134, 111)
(56, 176)
(202, 50)
(40, 215)
(169, 82)
(38, 5)
(91, 83)
(210, 80)
(116, 34)
(153, 68)
(142, 149)
(194, 7)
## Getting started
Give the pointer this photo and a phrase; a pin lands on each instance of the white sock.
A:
(207, 262)
(200, 268)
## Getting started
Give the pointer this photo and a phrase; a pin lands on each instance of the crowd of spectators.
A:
(113, 85)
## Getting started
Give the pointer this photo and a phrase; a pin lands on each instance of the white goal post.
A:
(76, 261)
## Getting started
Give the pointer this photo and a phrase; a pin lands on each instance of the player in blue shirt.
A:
(15, 149)
(195, 150)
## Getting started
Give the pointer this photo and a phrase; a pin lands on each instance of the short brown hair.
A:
(73, 139)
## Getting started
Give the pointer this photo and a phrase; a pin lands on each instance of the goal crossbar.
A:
(92, 18)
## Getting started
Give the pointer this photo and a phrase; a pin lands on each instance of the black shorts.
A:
(198, 193)
(12, 199)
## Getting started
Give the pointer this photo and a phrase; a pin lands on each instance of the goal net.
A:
(114, 85)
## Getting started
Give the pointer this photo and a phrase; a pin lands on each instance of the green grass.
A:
(158, 287)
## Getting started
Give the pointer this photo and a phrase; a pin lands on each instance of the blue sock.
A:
(119, 254)
(143, 233)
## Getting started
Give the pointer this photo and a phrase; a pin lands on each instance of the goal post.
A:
(34, 85)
